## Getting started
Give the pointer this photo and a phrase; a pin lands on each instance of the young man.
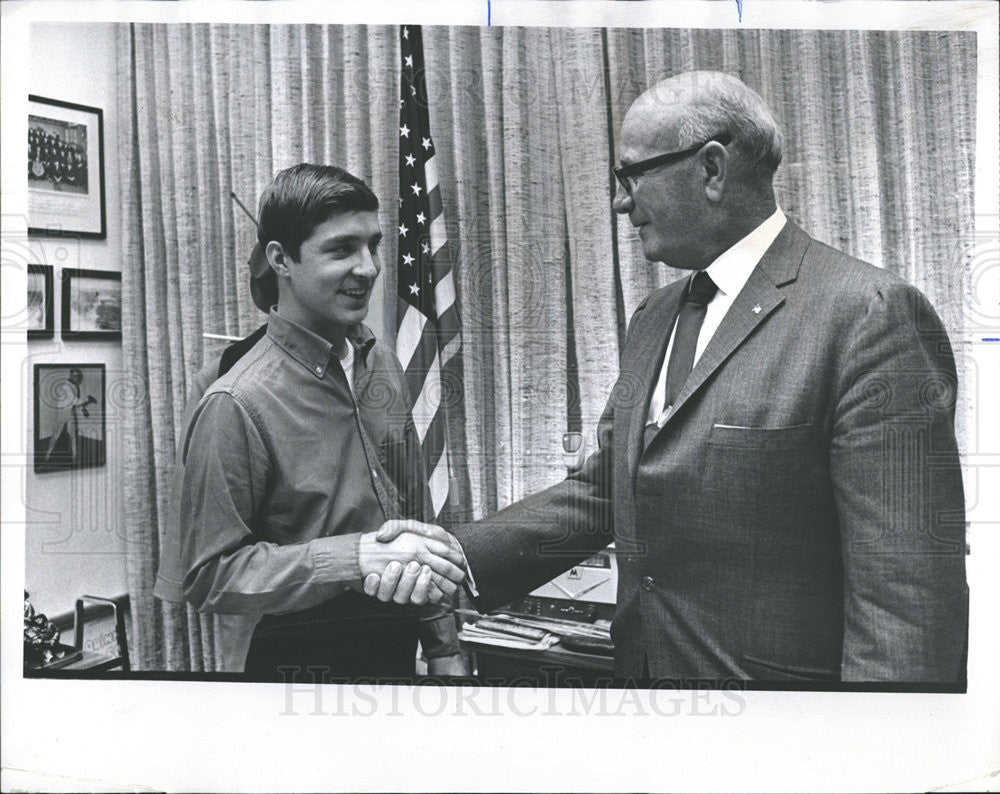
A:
(297, 455)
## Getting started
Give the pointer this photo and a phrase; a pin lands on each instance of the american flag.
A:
(428, 333)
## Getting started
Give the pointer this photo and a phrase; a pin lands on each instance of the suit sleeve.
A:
(229, 568)
(898, 493)
(528, 543)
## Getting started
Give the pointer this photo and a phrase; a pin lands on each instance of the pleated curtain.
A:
(878, 161)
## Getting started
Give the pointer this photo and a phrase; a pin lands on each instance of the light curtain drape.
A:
(879, 147)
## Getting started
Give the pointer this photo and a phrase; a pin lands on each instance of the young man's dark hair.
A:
(302, 197)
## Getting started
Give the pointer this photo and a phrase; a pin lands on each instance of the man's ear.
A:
(277, 258)
(715, 168)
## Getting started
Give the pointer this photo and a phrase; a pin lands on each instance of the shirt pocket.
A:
(762, 438)
(392, 442)
(392, 453)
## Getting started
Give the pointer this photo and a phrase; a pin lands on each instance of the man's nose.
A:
(367, 265)
(622, 202)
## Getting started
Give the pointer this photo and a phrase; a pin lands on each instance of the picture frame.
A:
(69, 413)
(65, 169)
(91, 304)
(40, 302)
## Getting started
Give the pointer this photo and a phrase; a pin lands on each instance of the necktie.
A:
(689, 320)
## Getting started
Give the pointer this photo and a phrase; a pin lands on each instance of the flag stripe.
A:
(444, 293)
(428, 399)
(449, 351)
(447, 331)
(439, 235)
(431, 174)
(434, 199)
(439, 485)
(423, 360)
(436, 442)
(411, 329)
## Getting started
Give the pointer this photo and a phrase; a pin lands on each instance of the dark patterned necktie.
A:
(689, 320)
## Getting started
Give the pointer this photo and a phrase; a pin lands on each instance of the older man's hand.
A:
(410, 562)
(414, 584)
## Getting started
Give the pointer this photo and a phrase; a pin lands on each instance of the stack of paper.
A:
(507, 632)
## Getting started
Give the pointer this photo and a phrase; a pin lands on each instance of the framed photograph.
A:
(40, 302)
(65, 169)
(69, 416)
(91, 304)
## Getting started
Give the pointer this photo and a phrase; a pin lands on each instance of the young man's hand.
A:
(410, 562)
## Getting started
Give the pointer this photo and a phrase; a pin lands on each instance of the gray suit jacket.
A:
(799, 516)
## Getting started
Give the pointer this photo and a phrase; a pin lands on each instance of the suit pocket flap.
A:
(760, 437)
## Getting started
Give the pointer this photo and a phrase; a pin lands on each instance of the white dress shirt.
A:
(347, 363)
(730, 272)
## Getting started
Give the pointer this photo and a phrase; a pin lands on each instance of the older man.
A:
(783, 485)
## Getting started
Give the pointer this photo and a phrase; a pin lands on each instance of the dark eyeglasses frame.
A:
(625, 173)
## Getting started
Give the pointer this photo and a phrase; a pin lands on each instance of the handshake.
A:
(411, 562)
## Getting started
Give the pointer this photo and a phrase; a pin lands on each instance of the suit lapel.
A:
(651, 337)
(758, 299)
(752, 306)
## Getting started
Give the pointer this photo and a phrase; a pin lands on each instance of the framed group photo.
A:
(91, 304)
(69, 416)
(65, 169)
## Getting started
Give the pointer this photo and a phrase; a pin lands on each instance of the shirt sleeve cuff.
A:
(438, 637)
(335, 558)
(470, 581)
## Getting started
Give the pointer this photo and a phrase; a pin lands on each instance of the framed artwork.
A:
(69, 417)
(65, 169)
(91, 304)
(40, 302)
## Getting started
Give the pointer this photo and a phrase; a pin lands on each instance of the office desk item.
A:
(557, 635)
(100, 661)
(542, 651)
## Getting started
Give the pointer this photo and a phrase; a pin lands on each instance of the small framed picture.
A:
(40, 302)
(69, 416)
(65, 169)
(91, 304)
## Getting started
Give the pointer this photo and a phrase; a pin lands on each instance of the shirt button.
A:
(374, 474)
(319, 370)
(648, 583)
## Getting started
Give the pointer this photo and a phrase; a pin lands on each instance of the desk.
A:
(94, 662)
(554, 667)
(83, 660)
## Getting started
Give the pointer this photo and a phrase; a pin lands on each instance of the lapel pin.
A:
(756, 309)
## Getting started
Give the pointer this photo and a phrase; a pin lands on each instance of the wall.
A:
(75, 534)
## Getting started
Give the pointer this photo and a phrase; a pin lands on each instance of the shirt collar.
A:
(732, 268)
(311, 350)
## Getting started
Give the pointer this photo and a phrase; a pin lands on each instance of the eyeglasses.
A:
(626, 173)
